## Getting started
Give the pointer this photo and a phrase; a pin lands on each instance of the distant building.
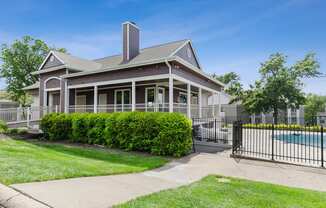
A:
(321, 118)
(5, 103)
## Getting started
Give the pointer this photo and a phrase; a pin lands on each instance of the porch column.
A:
(133, 95)
(95, 98)
(66, 97)
(189, 100)
(170, 94)
(200, 102)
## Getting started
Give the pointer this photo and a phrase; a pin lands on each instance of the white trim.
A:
(133, 96)
(45, 90)
(179, 48)
(52, 89)
(197, 70)
(47, 57)
(189, 100)
(95, 101)
(200, 103)
(118, 81)
(128, 22)
(192, 49)
(176, 77)
(67, 94)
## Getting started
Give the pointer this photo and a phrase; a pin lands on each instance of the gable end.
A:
(187, 53)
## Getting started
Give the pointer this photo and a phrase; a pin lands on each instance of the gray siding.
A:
(52, 83)
(54, 63)
(195, 77)
(140, 94)
(120, 74)
(183, 53)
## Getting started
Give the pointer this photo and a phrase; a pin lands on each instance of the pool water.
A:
(305, 139)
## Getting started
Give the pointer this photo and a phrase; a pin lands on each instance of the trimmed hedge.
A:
(156, 133)
(296, 127)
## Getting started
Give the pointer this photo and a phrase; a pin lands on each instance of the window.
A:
(182, 97)
(194, 99)
(122, 99)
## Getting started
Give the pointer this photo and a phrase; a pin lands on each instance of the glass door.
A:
(150, 99)
(160, 99)
(122, 100)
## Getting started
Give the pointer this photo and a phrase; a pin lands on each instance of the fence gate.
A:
(303, 145)
(211, 135)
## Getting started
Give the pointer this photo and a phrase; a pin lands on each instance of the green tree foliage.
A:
(20, 59)
(280, 86)
(314, 104)
(232, 82)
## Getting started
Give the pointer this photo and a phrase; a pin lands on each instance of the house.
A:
(166, 77)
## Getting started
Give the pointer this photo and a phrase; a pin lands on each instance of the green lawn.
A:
(214, 191)
(22, 161)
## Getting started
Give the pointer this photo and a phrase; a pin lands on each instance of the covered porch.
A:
(152, 95)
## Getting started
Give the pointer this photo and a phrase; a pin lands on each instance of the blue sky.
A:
(228, 35)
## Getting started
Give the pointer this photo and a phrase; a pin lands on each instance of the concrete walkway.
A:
(105, 191)
(10, 198)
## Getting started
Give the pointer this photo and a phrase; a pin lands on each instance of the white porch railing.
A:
(205, 112)
(30, 114)
(25, 114)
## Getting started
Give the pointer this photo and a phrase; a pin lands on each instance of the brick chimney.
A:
(130, 37)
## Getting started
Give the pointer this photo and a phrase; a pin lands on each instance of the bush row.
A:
(284, 127)
(157, 133)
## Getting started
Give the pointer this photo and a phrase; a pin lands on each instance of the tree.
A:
(20, 59)
(314, 104)
(232, 82)
(280, 86)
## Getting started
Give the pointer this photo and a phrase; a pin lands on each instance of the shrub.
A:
(79, 124)
(294, 127)
(17, 131)
(157, 133)
(56, 126)
(96, 127)
(3, 127)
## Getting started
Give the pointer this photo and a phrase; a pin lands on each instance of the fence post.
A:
(273, 141)
(234, 136)
(193, 134)
(322, 145)
(215, 129)
(27, 116)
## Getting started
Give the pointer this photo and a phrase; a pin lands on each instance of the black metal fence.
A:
(284, 143)
(211, 130)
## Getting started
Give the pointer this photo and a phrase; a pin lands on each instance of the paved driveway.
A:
(105, 191)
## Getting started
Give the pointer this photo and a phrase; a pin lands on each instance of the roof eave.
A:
(197, 70)
(156, 61)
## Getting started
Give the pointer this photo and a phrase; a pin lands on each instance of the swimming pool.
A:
(304, 139)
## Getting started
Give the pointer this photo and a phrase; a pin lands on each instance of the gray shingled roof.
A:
(77, 63)
(145, 54)
(36, 85)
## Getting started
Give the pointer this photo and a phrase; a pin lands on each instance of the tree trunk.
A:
(275, 115)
